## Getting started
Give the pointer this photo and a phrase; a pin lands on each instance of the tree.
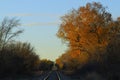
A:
(46, 65)
(18, 58)
(88, 31)
(71, 60)
(113, 51)
(8, 31)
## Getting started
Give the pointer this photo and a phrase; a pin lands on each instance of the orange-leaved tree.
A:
(88, 30)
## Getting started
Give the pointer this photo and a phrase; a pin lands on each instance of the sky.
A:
(41, 19)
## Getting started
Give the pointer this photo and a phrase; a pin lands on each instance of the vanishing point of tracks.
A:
(53, 75)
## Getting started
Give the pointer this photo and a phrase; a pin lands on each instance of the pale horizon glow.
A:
(40, 20)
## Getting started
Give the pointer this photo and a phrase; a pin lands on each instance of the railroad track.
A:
(58, 75)
(52, 76)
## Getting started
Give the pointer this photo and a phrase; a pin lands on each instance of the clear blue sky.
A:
(40, 20)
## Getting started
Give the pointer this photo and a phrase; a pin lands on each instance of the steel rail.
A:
(58, 75)
(47, 76)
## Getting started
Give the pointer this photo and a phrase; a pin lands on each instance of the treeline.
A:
(93, 39)
(46, 65)
(18, 57)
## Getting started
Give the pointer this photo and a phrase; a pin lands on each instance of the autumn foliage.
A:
(89, 31)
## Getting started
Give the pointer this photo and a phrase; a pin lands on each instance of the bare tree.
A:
(8, 31)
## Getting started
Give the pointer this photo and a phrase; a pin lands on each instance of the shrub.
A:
(18, 58)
